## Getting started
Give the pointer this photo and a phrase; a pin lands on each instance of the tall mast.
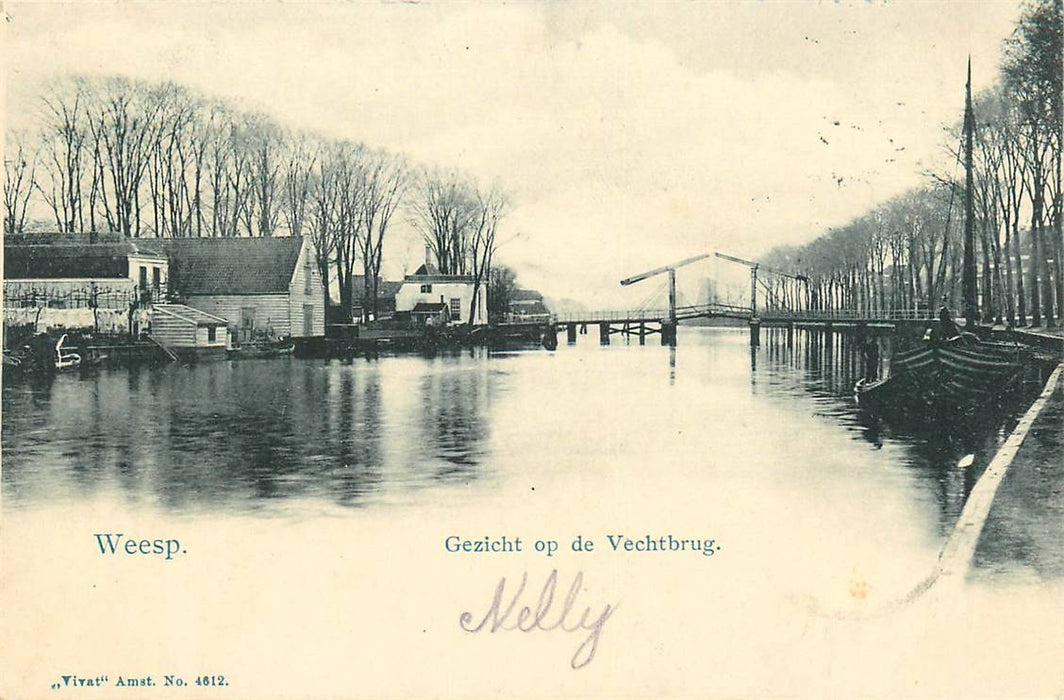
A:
(968, 279)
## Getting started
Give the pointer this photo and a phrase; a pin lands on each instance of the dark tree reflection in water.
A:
(824, 367)
(272, 435)
(454, 419)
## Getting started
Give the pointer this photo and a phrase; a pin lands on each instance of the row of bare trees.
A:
(460, 224)
(116, 156)
(908, 252)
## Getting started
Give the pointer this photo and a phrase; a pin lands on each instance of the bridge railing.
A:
(848, 315)
(596, 316)
(682, 312)
(732, 311)
(715, 309)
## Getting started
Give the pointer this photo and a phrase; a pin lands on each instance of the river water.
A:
(332, 483)
(288, 434)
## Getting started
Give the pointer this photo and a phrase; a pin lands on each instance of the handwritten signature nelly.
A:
(504, 615)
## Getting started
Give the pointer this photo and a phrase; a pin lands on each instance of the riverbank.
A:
(372, 342)
(1024, 533)
(1048, 339)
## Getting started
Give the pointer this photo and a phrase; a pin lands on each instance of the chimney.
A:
(428, 256)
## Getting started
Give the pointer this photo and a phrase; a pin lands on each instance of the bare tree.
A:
(20, 169)
(492, 207)
(1031, 70)
(320, 216)
(156, 159)
(336, 215)
(348, 165)
(218, 146)
(385, 182)
(443, 209)
(127, 123)
(240, 180)
(63, 141)
(298, 181)
(266, 142)
(174, 159)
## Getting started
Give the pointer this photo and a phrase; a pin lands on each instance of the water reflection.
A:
(822, 367)
(265, 434)
(247, 432)
(454, 420)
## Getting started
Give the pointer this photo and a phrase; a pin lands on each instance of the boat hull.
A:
(947, 378)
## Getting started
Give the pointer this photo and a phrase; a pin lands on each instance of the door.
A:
(247, 323)
(308, 320)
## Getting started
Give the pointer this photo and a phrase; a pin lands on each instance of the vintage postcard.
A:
(532, 350)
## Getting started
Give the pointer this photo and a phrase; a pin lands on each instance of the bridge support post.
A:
(604, 333)
(668, 334)
(583, 329)
(642, 333)
(570, 333)
(790, 334)
(755, 332)
(550, 337)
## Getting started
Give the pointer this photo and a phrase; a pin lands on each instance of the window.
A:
(156, 278)
(212, 334)
(426, 289)
(143, 277)
(456, 309)
(308, 276)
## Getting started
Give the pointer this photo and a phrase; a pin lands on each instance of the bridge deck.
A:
(744, 313)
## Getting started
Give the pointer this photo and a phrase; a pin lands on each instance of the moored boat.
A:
(952, 372)
(947, 376)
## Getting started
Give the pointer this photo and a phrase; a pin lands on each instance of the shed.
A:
(183, 329)
(430, 314)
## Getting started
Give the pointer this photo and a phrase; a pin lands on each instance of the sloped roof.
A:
(232, 266)
(525, 295)
(438, 279)
(428, 307)
(534, 307)
(142, 246)
(70, 260)
(187, 313)
(386, 289)
(427, 268)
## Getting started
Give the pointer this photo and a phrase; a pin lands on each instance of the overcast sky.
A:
(629, 135)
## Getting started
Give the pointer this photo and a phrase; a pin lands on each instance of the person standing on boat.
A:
(946, 328)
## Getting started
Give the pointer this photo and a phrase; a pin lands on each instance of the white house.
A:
(73, 273)
(428, 287)
(66, 281)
